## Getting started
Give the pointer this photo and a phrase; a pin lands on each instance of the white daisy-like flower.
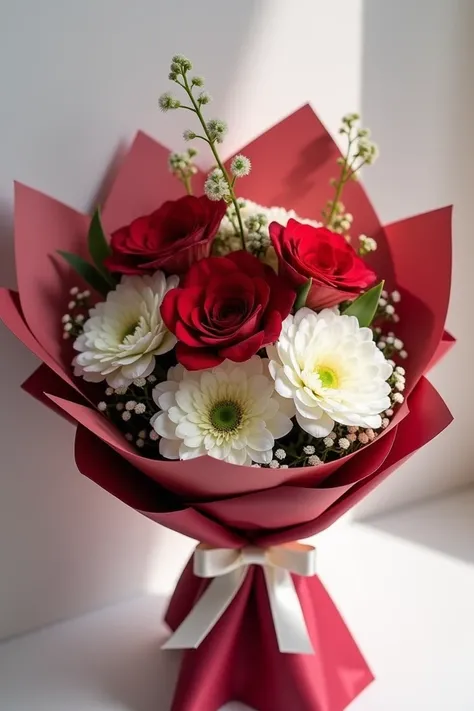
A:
(331, 369)
(124, 333)
(229, 412)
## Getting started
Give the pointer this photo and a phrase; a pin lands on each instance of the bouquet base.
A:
(239, 660)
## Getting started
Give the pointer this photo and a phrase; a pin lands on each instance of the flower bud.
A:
(240, 166)
(166, 102)
(188, 135)
(204, 98)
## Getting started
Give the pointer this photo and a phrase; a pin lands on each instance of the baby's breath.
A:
(182, 164)
(360, 151)
(240, 166)
(77, 311)
(366, 245)
(167, 102)
(130, 409)
(213, 129)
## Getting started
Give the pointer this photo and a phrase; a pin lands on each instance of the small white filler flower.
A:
(331, 369)
(124, 333)
(229, 412)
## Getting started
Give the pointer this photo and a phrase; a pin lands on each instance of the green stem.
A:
(216, 156)
(231, 220)
(340, 184)
(186, 180)
(357, 168)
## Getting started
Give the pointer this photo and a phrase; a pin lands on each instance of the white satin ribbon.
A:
(228, 567)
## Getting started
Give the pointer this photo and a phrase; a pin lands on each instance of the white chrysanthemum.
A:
(229, 412)
(331, 369)
(124, 333)
(273, 214)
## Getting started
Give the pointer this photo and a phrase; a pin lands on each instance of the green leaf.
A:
(365, 306)
(302, 294)
(99, 248)
(88, 272)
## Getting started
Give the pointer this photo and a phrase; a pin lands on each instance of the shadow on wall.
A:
(444, 524)
(418, 99)
(65, 545)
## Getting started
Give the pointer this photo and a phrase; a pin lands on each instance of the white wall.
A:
(418, 98)
(77, 80)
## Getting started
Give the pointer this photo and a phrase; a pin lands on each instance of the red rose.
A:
(226, 307)
(172, 238)
(303, 251)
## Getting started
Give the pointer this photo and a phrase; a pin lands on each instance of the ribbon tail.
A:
(207, 611)
(288, 619)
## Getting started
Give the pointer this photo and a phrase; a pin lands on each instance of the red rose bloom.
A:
(226, 307)
(303, 251)
(172, 238)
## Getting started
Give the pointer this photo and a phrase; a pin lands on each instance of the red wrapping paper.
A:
(248, 666)
(215, 502)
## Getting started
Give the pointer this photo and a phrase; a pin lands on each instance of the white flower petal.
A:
(161, 389)
(280, 425)
(316, 428)
(238, 456)
(185, 398)
(176, 414)
(169, 448)
(260, 441)
(141, 369)
(283, 386)
(261, 457)
(331, 369)
(165, 427)
(166, 400)
(189, 416)
(286, 406)
(124, 333)
(313, 413)
(187, 429)
(186, 452)
(372, 421)
(193, 442)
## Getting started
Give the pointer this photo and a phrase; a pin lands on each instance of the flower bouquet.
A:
(244, 354)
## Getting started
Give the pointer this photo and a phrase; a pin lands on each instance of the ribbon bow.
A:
(228, 567)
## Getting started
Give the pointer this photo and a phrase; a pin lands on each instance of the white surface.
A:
(418, 99)
(445, 524)
(409, 608)
(78, 79)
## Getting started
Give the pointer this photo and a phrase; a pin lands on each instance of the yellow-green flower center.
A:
(328, 376)
(225, 415)
(130, 330)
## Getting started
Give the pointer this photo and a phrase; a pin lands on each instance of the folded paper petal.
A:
(143, 183)
(421, 251)
(43, 381)
(241, 661)
(199, 479)
(109, 470)
(292, 164)
(281, 507)
(42, 227)
(445, 345)
(12, 316)
(370, 457)
(428, 417)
